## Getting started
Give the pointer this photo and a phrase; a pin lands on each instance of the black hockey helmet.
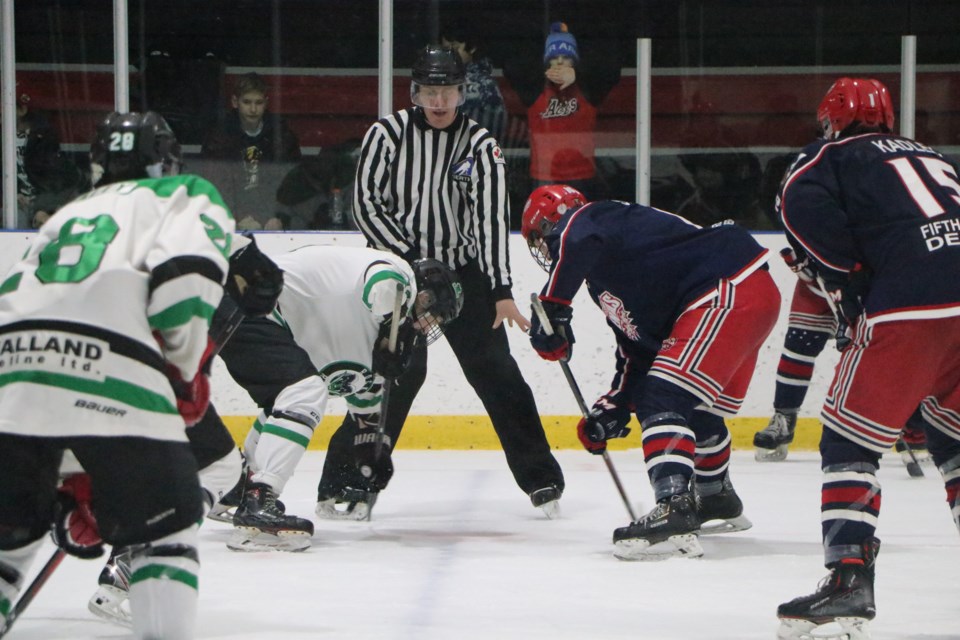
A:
(129, 146)
(437, 66)
(439, 297)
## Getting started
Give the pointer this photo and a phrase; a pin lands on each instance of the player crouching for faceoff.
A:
(329, 337)
(690, 308)
(105, 322)
(875, 211)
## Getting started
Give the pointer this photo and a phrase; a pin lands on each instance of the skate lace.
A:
(778, 425)
(661, 510)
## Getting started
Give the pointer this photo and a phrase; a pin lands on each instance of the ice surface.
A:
(455, 550)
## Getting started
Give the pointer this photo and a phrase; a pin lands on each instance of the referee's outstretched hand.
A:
(507, 310)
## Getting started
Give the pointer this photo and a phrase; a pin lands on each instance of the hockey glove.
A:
(193, 397)
(74, 527)
(254, 281)
(847, 308)
(606, 420)
(377, 471)
(558, 346)
(391, 365)
(801, 266)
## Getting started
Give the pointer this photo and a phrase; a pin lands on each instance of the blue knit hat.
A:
(560, 43)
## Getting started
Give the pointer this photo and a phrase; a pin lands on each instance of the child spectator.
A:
(252, 150)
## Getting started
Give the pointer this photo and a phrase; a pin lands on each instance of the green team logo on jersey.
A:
(217, 235)
(345, 378)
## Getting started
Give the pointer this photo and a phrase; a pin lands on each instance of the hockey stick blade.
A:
(578, 396)
(31, 592)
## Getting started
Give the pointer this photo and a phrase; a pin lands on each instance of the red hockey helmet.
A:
(542, 211)
(850, 100)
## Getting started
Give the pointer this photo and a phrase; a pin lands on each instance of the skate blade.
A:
(771, 455)
(332, 510)
(838, 629)
(251, 539)
(729, 525)
(685, 545)
(551, 509)
(108, 603)
(221, 513)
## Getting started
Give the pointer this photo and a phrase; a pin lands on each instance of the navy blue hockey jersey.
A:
(887, 203)
(643, 266)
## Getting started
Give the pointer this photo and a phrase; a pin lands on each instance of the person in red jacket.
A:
(561, 103)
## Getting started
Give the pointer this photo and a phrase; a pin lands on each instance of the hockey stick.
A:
(385, 392)
(913, 465)
(575, 388)
(31, 592)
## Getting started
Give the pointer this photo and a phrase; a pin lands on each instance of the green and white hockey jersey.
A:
(108, 279)
(333, 301)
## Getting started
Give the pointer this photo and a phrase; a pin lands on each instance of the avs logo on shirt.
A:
(463, 170)
(613, 308)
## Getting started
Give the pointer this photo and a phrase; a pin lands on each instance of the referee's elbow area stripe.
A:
(466, 432)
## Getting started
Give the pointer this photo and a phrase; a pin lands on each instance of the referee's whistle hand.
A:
(507, 310)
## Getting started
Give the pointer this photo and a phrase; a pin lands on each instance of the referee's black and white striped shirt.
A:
(435, 193)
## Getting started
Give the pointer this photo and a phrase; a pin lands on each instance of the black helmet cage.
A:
(439, 297)
(537, 244)
(129, 146)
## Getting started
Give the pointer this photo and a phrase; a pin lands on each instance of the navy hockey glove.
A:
(254, 281)
(800, 265)
(606, 420)
(376, 471)
(74, 527)
(392, 365)
(558, 346)
(847, 308)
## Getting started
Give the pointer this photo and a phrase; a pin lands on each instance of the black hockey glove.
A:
(254, 281)
(392, 365)
(376, 470)
(558, 346)
(606, 420)
(74, 527)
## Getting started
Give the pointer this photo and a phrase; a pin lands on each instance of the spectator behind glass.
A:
(726, 182)
(483, 102)
(45, 177)
(252, 150)
(561, 99)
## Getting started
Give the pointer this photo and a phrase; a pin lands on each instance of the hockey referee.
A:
(431, 183)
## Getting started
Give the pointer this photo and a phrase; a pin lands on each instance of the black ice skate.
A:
(721, 512)
(841, 607)
(260, 523)
(223, 510)
(669, 530)
(346, 504)
(772, 442)
(110, 601)
(548, 500)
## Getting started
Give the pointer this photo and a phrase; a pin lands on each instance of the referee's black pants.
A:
(484, 356)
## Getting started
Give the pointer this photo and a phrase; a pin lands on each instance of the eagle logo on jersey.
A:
(346, 378)
(617, 314)
(463, 170)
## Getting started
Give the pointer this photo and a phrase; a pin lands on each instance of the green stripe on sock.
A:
(286, 434)
(164, 572)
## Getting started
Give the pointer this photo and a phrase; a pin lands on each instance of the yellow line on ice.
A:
(476, 432)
